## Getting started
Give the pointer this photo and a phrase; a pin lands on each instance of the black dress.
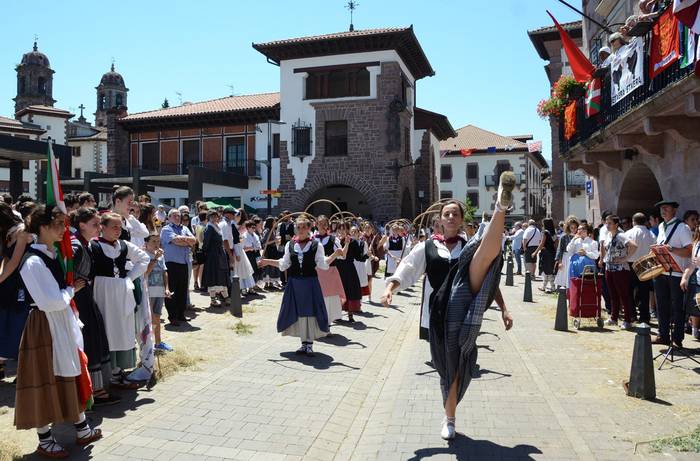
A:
(348, 275)
(547, 254)
(270, 251)
(94, 334)
(216, 268)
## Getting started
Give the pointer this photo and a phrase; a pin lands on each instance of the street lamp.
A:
(269, 162)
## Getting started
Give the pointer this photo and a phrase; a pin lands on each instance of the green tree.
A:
(469, 210)
(165, 104)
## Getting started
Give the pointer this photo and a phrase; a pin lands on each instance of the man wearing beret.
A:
(675, 235)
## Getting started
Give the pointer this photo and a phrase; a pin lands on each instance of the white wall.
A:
(57, 124)
(93, 156)
(255, 185)
(293, 106)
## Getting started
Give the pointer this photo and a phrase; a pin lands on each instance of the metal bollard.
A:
(235, 304)
(509, 270)
(642, 384)
(561, 321)
(527, 292)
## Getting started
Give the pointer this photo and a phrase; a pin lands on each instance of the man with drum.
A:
(676, 236)
(642, 237)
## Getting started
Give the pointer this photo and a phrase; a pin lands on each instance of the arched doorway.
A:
(639, 192)
(347, 198)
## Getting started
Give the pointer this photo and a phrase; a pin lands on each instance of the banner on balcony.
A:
(626, 70)
(665, 43)
(688, 47)
(570, 120)
(593, 97)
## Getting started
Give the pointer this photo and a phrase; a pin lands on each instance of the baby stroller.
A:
(584, 293)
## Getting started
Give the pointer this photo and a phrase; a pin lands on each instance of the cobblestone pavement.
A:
(370, 394)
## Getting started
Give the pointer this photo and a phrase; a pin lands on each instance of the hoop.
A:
(322, 200)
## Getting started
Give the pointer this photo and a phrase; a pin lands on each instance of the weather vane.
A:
(352, 6)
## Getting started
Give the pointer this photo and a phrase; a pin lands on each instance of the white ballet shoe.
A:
(448, 428)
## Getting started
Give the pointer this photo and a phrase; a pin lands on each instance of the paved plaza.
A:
(369, 393)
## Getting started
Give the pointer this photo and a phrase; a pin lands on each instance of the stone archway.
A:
(639, 191)
(345, 197)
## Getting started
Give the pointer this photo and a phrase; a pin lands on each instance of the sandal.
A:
(51, 452)
(95, 434)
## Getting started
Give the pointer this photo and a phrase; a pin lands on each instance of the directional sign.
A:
(589, 188)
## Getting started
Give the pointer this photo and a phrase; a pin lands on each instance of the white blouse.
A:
(137, 257)
(589, 245)
(286, 261)
(54, 302)
(413, 266)
(138, 230)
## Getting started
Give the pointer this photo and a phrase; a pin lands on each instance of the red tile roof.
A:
(214, 106)
(473, 137)
(401, 39)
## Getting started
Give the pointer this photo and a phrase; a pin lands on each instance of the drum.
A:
(647, 267)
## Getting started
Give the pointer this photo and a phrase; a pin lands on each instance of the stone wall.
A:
(117, 142)
(374, 127)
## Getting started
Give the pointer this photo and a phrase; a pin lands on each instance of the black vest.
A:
(395, 244)
(308, 265)
(54, 266)
(437, 267)
(329, 247)
(125, 235)
(105, 266)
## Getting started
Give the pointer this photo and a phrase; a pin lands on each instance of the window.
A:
(473, 197)
(77, 173)
(41, 87)
(276, 145)
(406, 92)
(118, 100)
(190, 154)
(337, 83)
(75, 151)
(407, 145)
(337, 138)
(101, 102)
(301, 140)
(472, 174)
(20, 85)
(445, 173)
(150, 156)
(48, 127)
(235, 155)
(445, 194)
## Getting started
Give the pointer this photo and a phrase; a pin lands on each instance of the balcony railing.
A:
(585, 127)
(492, 180)
(250, 168)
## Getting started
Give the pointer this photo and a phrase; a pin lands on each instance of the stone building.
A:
(34, 80)
(111, 94)
(646, 145)
(567, 185)
(350, 132)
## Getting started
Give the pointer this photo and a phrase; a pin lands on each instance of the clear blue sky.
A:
(487, 71)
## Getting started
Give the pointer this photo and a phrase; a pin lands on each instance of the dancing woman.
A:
(303, 312)
(348, 272)
(459, 305)
(331, 284)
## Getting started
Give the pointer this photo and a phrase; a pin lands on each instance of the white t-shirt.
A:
(532, 237)
(643, 238)
(681, 238)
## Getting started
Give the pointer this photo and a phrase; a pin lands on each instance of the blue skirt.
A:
(302, 298)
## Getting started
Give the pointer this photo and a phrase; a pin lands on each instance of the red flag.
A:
(593, 97)
(665, 43)
(467, 152)
(580, 65)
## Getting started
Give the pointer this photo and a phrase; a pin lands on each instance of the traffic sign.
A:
(589, 188)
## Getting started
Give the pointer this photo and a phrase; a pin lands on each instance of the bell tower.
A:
(111, 94)
(34, 80)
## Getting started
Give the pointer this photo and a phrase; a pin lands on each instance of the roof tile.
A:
(473, 137)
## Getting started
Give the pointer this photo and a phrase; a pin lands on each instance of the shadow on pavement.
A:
(319, 361)
(369, 315)
(356, 325)
(465, 448)
(339, 340)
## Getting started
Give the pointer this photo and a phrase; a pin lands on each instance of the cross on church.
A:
(81, 107)
(352, 6)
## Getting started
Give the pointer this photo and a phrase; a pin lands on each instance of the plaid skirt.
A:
(40, 397)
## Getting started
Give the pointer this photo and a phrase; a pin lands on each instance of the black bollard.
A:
(641, 383)
(561, 321)
(235, 304)
(509, 270)
(527, 292)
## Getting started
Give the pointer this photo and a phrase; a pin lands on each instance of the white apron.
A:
(115, 299)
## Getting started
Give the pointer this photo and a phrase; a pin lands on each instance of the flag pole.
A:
(606, 28)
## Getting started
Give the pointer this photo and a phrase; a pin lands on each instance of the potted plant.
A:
(568, 89)
(552, 107)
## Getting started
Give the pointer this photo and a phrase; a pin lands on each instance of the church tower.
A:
(34, 81)
(111, 94)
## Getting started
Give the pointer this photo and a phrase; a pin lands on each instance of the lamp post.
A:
(269, 162)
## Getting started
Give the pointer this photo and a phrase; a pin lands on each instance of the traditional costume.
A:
(242, 268)
(331, 284)
(348, 275)
(361, 267)
(271, 274)
(215, 275)
(114, 295)
(15, 308)
(303, 312)
(433, 259)
(563, 256)
(394, 247)
(94, 334)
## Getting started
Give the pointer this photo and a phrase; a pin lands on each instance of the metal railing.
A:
(585, 127)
